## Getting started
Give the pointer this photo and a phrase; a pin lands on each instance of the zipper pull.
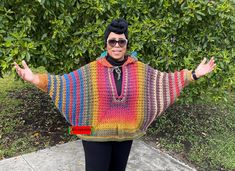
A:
(118, 71)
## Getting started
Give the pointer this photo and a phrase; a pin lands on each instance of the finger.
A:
(25, 65)
(212, 58)
(23, 75)
(18, 70)
(211, 62)
(203, 61)
(213, 67)
(16, 65)
(19, 73)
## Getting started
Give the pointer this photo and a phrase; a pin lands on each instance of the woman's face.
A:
(116, 49)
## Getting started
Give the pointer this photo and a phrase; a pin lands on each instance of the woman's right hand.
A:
(25, 73)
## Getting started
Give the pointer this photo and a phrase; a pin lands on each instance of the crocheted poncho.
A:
(88, 97)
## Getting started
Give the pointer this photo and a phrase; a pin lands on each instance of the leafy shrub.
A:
(168, 35)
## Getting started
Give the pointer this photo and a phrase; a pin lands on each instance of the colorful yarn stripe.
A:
(88, 97)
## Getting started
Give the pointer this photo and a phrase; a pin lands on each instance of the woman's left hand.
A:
(205, 68)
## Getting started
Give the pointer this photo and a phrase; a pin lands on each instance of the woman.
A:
(114, 99)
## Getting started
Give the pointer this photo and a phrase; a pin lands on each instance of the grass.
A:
(201, 134)
(8, 110)
(28, 119)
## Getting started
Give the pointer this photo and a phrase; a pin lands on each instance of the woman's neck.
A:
(116, 62)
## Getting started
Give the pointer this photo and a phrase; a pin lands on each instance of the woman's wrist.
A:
(194, 75)
(35, 80)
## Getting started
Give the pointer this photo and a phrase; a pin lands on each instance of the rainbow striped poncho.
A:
(88, 97)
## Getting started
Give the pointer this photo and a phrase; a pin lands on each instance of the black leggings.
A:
(106, 156)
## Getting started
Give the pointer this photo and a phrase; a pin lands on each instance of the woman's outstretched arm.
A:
(66, 91)
(170, 85)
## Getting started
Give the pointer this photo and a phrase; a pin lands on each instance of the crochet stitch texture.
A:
(88, 97)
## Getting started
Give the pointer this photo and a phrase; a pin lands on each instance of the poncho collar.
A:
(131, 59)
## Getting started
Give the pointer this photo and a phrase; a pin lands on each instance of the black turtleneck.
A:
(115, 62)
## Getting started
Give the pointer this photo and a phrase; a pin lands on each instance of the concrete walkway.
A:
(70, 157)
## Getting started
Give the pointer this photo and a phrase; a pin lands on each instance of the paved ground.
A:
(70, 157)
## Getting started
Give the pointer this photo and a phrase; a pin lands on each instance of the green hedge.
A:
(63, 35)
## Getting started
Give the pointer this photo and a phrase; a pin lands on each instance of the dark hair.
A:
(118, 26)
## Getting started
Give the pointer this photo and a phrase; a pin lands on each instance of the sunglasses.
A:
(121, 42)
